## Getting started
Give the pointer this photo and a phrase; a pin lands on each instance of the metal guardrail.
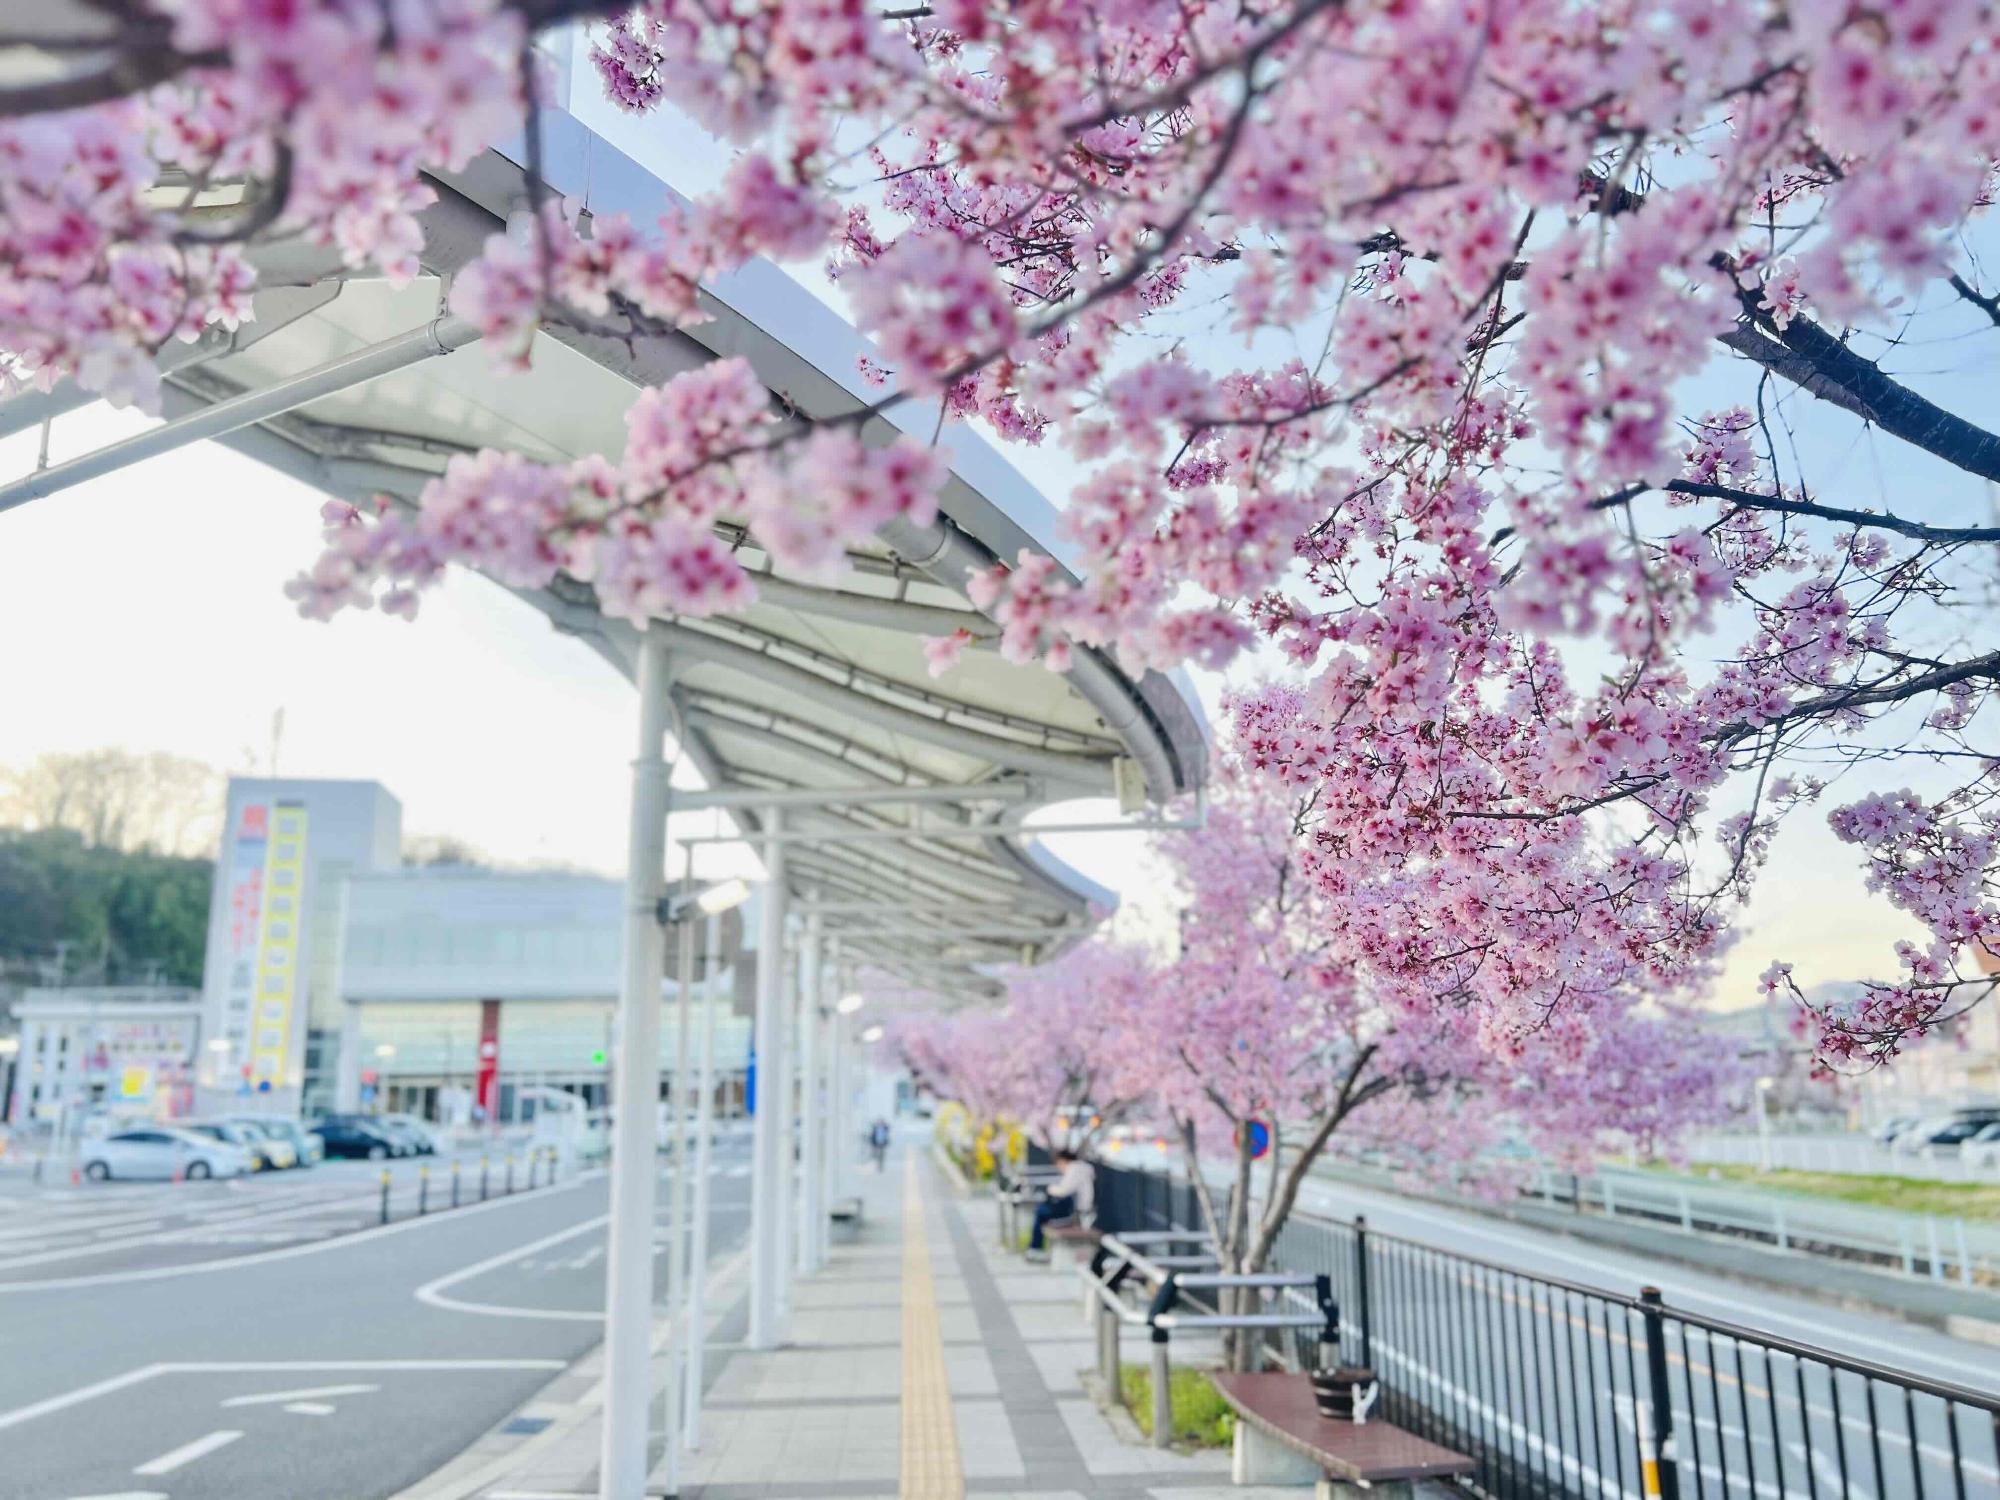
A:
(1563, 1390)
(1183, 1293)
(1940, 1247)
(1851, 1155)
(1930, 1245)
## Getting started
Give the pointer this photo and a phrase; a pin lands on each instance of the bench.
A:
(1282, 1439)
(1075, 1238)
(845, 1210)
(1015, 1191)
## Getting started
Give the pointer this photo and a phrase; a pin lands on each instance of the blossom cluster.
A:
(1542, 616)
(643, 530)
(323, 114)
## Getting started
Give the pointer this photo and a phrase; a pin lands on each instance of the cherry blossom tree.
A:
(1385, 335)
(1049, 1061)
(1285, 1003)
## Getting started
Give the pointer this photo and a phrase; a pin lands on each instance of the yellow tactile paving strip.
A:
(930, 1462)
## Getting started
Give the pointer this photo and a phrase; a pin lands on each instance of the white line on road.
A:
(81, 1393)
(311, 1393)
(262, 1367)
(187, 1453)
(309, 1408)
(432, 1292)
(260, 1257)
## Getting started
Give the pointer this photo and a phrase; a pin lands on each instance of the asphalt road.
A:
(201, 1341)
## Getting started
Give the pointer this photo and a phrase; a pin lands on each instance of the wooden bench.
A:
(1282, 1439)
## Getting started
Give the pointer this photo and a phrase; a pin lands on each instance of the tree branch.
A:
(1821, 365)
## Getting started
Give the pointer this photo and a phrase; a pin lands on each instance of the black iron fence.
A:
(1563, 1390)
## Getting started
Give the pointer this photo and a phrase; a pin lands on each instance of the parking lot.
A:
(64, 1230)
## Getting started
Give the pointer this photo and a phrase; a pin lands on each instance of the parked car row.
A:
(230, 1147)
(375, 1137)
(1973, 1132)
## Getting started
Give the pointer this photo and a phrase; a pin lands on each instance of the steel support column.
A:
(767, 1239)
(628, 1311)
(677, 1198)
(812, 1124)
(697, 1310)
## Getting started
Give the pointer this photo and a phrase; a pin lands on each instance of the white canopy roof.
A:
(359, 388)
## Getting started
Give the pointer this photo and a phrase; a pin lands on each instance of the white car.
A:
(161, 1153)
(1982, 1149)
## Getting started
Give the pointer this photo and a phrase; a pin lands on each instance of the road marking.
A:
(260, 1257)
(127, 1495)
(187, 1453)
(83, 1393)
(304, 1201)
(432, 1292)
(277, 1398)
(265, 1367)
(586, 1258)
(309, 1408)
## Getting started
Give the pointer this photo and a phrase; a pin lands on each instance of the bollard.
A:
(423, 1191)
(1610, 1207)
(1778, 1227)
(482, 1179)
(1937, 1257)
(454, 1182)
(1964, 1258)
(1655, 1417)
(1163, 1398)
(385, 1195)
(510, 1174)
(1361, 1289)
(1687, 1212)
(534, 1160)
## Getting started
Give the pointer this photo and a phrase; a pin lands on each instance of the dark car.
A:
(414, 1140)
(352, 1137)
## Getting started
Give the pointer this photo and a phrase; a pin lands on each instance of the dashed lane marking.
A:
(85, 1393)
(186, 1454)
(312, 1393)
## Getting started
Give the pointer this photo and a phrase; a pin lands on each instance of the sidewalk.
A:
(922, 1364)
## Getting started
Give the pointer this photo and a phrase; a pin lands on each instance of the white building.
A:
(273, 927)
(127, 1050)
(459, 987)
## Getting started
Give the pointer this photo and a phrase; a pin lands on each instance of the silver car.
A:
(160, 1153)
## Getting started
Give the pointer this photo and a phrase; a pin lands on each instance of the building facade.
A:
(339, 979)
(463, 989)
(274, 928)
(123, 1051)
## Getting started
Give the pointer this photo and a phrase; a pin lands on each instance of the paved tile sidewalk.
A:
(893, 1385)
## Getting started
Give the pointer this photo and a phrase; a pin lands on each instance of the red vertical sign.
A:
(486, 1095)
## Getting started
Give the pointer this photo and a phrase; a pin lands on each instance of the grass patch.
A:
(1910, 1195)
(1200, 1415)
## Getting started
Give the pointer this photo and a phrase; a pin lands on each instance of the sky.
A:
(144, 610)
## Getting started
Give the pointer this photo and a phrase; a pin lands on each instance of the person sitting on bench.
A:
(1070, 1197)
